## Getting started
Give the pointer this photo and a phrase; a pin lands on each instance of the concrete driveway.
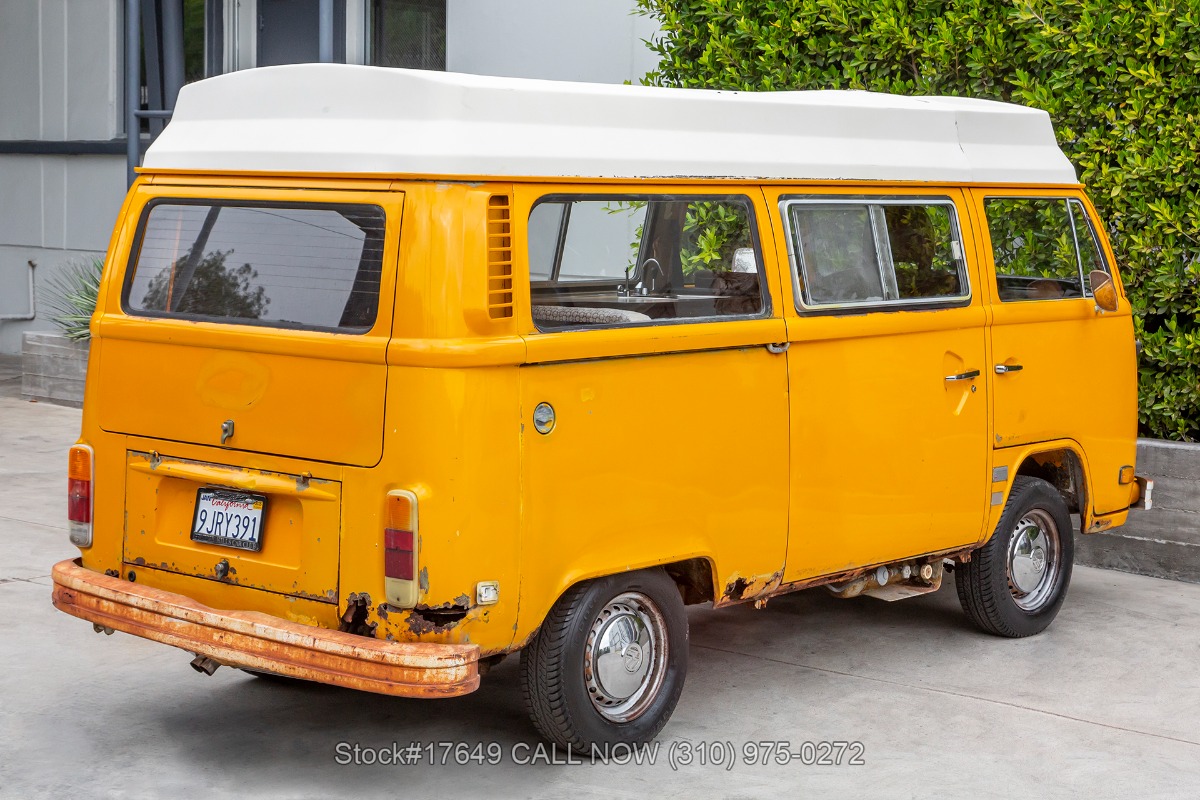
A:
(1104, 704)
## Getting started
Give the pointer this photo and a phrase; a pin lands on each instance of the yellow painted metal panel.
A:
(889, 459)
(453, 439)
(654, 459)
(299, 552)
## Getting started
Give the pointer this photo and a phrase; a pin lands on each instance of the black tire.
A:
(1001, 588)
(565, 694)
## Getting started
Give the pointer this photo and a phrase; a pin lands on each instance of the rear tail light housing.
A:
(400, 549)
(80, 474)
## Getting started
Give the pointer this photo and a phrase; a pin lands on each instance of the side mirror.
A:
(1104, 292)
(744, 260)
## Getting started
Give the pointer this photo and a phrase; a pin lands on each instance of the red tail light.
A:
(398, 554)
(79, 495)
(400, 547)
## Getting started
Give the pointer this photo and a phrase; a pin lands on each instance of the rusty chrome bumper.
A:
(260, 641)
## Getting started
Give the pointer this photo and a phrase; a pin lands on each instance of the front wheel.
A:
(1015, 584)
(608, 664)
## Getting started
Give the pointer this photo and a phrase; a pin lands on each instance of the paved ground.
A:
(10, 376)
(1104, 704)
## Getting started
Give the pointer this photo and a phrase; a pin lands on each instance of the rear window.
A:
(279, 265)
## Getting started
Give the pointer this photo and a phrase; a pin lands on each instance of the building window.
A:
(408, 33)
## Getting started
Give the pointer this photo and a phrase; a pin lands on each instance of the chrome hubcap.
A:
(1033, 556)
(625, 657)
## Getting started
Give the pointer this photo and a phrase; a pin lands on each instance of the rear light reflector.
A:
(79, 495)
(400, 549)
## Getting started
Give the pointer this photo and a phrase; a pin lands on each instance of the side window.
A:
(1089, 243)
(876, 252)
(1036, 247)
(544, 225)
(600, 240)
(638, 259)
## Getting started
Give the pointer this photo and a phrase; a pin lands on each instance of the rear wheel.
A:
(1015, 584)
(608, 664)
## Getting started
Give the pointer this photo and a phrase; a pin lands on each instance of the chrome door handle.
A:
(778, 347)
(970, 375)
(1002, 369)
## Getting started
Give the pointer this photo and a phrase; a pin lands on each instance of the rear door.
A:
(242, 352)
(257, 321)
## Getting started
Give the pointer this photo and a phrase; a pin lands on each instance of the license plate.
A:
(229, 519)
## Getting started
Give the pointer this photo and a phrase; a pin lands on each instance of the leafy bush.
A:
(71, 296)
(1120, 79)
(712, 232)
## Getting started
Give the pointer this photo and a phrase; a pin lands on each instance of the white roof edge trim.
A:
(336, 118)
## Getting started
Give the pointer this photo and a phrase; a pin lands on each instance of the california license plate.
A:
(229, 519)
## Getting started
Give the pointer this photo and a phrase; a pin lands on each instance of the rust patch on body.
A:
(440, 618)
(740, 588)
(735, 590)
(354, 619)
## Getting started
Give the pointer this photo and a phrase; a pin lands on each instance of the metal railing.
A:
(171, 54)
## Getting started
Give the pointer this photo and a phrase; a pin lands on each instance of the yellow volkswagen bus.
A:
(396, 373)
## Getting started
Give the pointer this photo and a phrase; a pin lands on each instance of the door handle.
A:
(970, 375)
(1002, 369)
(778, 347)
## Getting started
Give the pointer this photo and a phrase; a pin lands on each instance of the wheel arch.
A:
(1061, 463)
(695, 577)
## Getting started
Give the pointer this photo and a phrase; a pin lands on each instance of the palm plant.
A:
(70, 296)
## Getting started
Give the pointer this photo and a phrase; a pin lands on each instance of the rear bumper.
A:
(260, 641)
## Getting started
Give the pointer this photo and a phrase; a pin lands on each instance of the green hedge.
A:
(1120, 79)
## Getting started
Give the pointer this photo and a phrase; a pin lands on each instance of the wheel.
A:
(609, 661)
(1014, 585)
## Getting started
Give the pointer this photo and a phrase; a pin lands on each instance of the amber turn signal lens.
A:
(79, 463)
(79, 495)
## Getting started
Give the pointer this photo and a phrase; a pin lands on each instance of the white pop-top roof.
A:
(334, 118)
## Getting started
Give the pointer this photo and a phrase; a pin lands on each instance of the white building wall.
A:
(60, 80)
(599, 41)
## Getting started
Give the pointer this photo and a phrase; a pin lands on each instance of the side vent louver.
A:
(499, 260)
